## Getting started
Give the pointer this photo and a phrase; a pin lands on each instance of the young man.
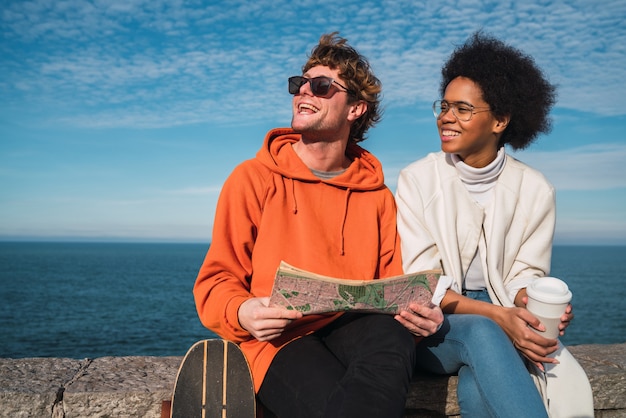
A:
(315, 199)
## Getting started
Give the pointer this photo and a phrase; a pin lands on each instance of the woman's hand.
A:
(421, 320)
(566, 318)
(517, 323)
(264, 322)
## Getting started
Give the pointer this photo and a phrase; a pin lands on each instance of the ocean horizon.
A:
(95, 299)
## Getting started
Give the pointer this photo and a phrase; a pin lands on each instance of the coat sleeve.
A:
(535, 250)
(419, 250)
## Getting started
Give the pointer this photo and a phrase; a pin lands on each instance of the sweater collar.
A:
(478, 178)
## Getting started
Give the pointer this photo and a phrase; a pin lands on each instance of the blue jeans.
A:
(493, 380)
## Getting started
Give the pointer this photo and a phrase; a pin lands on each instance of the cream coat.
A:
(441, 226)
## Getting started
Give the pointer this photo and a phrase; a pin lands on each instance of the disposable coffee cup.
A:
(548, 298)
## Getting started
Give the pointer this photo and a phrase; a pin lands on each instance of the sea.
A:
(88, 300)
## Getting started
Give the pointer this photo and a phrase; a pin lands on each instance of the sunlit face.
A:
(475, 141)
(322, 117)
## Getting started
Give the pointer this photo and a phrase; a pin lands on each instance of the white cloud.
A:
(590, 167)
(186, 212)
(606, 231)
(171, 63)
(117, 55)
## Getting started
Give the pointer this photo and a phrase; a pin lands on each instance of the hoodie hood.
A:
(364, 173)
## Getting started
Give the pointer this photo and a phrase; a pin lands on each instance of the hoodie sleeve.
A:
(390, 263)
(223, 282)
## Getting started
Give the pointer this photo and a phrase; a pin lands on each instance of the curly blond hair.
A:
(334, 52)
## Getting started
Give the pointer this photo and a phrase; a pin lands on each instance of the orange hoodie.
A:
(272, 208)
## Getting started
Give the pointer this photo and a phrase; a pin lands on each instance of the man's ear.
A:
(501, 123)
(357, 110)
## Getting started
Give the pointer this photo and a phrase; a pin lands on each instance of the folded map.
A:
(311, 293)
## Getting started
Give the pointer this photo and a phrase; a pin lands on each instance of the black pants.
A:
(358, 366)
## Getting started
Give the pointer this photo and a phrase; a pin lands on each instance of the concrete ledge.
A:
(434, 396)
(136, 386)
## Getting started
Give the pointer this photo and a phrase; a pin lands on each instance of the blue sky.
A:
(120, 119)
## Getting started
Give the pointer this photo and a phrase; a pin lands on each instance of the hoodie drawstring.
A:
(293, 194)
(343, 221)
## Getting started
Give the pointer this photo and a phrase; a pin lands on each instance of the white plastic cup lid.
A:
(549, 290)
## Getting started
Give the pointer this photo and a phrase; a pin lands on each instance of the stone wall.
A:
(137, 386)
(604, 364)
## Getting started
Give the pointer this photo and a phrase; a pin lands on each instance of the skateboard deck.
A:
(214, 381)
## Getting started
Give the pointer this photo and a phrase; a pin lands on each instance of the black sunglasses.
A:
(320, 86)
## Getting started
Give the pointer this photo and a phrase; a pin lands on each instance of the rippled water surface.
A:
(82, 300)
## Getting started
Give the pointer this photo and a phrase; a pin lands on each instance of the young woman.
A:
(488, 221)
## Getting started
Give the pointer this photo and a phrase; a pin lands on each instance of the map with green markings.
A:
(310, 293)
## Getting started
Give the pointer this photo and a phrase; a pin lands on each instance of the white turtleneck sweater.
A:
(479, 182)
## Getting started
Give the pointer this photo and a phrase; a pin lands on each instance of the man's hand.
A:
(262, 321)
(421, 320)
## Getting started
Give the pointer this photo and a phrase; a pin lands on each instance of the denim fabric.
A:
(358, 366)
(493, 380)
(478, 295)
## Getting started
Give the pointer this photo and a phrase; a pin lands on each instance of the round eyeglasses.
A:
(320, 86)
(461, 110)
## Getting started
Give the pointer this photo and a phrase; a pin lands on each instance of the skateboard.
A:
(213, 381)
